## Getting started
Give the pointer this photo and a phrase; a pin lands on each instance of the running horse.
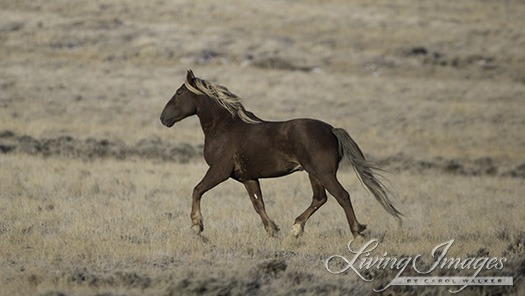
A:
(241, 146)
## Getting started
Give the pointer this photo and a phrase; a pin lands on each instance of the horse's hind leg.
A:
(254, 190)
(318, 199)
(335, 188)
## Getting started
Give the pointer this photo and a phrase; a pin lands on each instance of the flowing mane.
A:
(223, 97)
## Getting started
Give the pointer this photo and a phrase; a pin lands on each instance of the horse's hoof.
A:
(273, 233)
(273, 230)
(197, 228)
(361, 228)
(297, 230)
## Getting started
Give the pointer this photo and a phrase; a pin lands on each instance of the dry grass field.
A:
(95, 192)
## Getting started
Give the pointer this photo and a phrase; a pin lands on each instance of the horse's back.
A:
(288, 135)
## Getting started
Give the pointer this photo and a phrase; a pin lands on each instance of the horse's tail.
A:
(364, 170)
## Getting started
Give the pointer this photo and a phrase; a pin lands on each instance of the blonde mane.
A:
(222, 96)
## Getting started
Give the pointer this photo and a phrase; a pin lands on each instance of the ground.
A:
(95, 192)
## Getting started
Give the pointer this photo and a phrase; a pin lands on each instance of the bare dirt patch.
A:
(157, 149)
(90, 149)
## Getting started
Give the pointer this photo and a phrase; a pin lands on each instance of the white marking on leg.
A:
(255, 195)
(297, 229)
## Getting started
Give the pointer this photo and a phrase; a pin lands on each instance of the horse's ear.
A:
(189, 76)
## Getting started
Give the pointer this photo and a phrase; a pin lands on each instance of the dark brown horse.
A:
(241, 146)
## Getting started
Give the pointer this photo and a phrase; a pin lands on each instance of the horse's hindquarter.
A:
(274, 149)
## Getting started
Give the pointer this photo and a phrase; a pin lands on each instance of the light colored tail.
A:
(364, 170)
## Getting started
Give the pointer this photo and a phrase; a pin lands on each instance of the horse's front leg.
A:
(254, 190)
(214, 176)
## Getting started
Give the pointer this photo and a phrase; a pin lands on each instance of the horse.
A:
(246, 148)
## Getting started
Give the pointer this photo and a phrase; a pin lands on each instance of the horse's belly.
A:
(263, 167)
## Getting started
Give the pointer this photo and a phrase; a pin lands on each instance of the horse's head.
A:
(181, 105)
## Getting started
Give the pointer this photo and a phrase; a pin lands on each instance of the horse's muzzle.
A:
(169, 122)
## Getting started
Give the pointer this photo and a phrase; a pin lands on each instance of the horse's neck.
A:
(213, 118)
